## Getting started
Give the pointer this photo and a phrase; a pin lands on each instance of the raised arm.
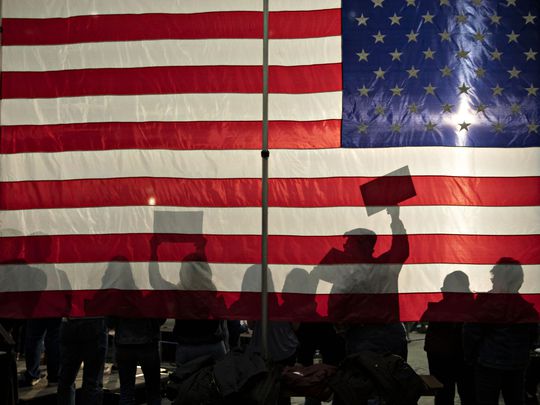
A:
(399, 250)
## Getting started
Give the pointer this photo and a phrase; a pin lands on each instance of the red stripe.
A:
(171, 80)
(233, 305)
(169, 135)
(301, 250)
(325, 192)
(137, 27)
(430, 190)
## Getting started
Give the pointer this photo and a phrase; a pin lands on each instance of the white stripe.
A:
(196, 52)
(373, 162)
(417, 278)
(283, 221)
(130, 163)
(171, 107)
(322, 163)
(69, 8)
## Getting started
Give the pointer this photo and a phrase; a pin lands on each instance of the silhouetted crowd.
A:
(481, 360)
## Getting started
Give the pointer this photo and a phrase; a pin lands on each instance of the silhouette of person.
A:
(136, 339)
(82, 340)
(443, 343)
(499, 346)
(8, 369)
(118, 292)
(18, 277)
(45, 330)
(281, 337)
(249, 301)
(365, 291)
(41, 333)
(200, 335)
(282, 340)
(298, 298)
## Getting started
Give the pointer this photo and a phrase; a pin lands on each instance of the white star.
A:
(362, 20)
(377, 3)
(395, 19)
(512, 37)
(363, 56)
(396, 91)
(497, 90)
(428, 54)
(461, 18)
(363, 91)
(446, 71)
(412, 36)
(462, 54)
(479, 36)
(496, 55)
(428, 18)
(430, 89)
(413, 72)
(529, 18)
(531, 54)
(395, 55)
(531, 90)
(514, 73)
(495, 19)
(379, 73)
(445, 35)
(480, 71)
(379, 37)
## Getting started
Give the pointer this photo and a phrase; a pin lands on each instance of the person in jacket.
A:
(499, 347)
(199, 334)
(364, 298)
(444, 343)
(137, 342)
(82, 340)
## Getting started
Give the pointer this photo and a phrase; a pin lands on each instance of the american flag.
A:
(130, 169)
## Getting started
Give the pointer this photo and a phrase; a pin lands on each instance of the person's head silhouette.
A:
(457, 281)
(360, 242)
(118, 275)
(507, 276)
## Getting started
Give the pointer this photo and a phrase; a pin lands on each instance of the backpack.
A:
(386, 376)
(239, 378)
(351, 383)
(199, 389)
(192, 382)
(262, 389)
(395, 380)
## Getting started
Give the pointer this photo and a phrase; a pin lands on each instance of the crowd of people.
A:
(481, 360)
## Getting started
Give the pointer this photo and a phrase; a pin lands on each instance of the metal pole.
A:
(265, 154)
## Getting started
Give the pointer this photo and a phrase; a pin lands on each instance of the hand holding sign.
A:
(388, 191)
